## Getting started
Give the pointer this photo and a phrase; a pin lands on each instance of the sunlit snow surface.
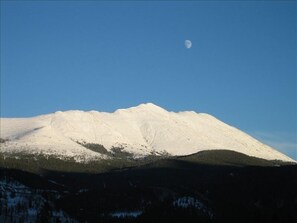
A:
(140, 130)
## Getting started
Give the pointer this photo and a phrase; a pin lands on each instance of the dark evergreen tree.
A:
(43, 215)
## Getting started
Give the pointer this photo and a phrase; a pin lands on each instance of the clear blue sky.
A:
(92, 55)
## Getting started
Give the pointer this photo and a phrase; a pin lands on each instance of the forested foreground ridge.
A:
(214, 186)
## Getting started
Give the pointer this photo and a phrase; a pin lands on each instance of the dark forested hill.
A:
(215, 186)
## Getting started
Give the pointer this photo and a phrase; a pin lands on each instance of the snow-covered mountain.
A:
(142, 130)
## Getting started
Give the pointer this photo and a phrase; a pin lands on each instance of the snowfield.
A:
(142, 130)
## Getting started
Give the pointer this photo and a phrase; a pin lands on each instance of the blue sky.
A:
(92, 55)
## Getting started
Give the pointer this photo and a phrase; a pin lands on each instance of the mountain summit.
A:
(142, 130)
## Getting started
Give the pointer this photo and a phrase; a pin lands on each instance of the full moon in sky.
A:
(188, 44)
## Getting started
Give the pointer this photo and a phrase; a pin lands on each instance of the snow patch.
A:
(191, 202)
(126, 214)
(186, 202)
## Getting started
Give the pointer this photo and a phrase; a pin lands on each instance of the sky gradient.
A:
(91, 55)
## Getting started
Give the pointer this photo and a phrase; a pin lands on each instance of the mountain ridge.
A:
(140, 130)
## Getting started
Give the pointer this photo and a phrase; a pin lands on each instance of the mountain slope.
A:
(142, 130)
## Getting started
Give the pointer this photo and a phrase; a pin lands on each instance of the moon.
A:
(188, 44)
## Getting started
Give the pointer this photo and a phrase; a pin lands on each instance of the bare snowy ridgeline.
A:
(137, 132)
